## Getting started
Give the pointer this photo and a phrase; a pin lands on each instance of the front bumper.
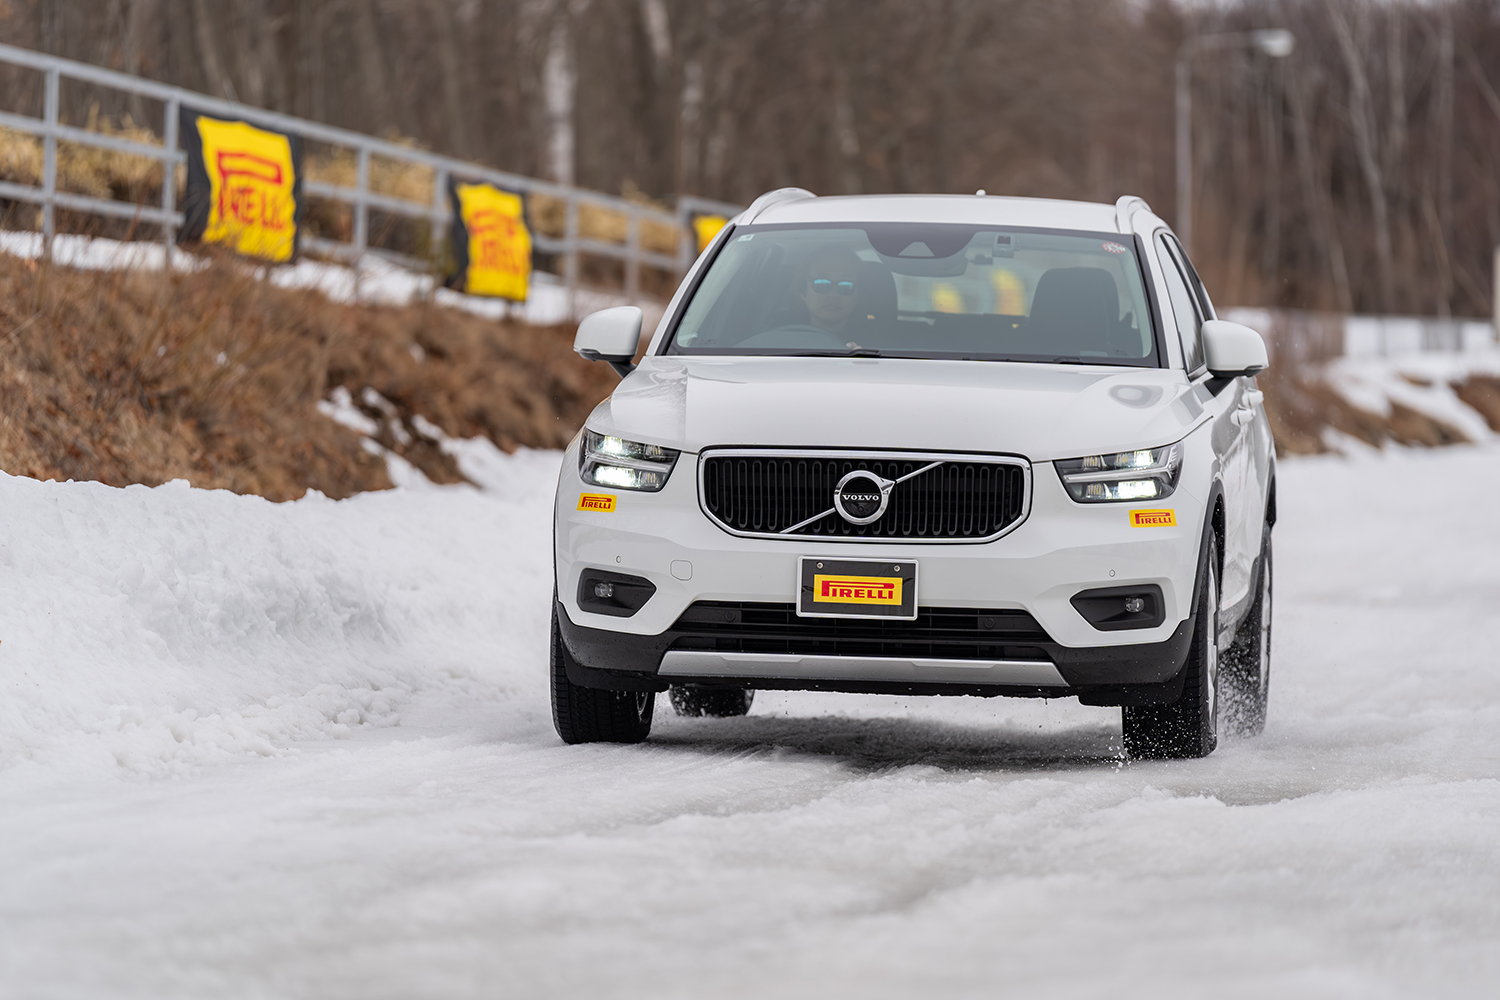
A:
(1061, 548)
(1134, 674)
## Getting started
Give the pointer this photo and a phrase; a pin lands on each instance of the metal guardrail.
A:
(360, 198)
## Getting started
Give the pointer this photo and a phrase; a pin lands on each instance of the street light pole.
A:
(1277, 43)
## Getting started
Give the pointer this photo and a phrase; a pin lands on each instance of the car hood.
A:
(1042, 412)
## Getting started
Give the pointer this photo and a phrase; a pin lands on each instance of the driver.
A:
(828, 285)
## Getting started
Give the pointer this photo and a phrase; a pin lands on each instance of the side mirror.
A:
(611, 336)
(1233, 349)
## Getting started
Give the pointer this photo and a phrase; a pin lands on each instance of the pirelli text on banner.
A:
(491, 242)
(705, 227)
(244, 187)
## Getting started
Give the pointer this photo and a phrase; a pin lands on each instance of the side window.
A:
(1193, 279)
(1185, 306)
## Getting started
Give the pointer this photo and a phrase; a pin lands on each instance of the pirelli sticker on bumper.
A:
(602, 503)
(1153, 519)
(846, 588)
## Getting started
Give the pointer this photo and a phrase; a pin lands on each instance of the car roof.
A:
(1040, 213)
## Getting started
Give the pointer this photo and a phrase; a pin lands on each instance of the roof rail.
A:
(1127, 206)
(770, 198)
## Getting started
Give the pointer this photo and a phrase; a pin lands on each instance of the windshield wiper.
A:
(853, 352)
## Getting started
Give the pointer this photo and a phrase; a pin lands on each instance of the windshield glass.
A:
(922, 291)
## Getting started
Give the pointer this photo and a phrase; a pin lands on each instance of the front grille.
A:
(967, 498)
(937, 633)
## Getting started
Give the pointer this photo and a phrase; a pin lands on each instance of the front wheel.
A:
(591, 715)
(1187, 727)
(1247, 663)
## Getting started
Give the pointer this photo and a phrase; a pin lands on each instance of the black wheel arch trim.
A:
(1213, 520)
(1233, 615)
(1271, 498)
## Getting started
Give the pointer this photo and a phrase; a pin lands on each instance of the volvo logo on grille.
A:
(861, 497)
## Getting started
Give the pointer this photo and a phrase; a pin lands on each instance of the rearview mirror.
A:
(1233, 349)
(611, 336)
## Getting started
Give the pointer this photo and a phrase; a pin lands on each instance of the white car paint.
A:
(1041, 412)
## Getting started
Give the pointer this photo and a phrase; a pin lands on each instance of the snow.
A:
(1422, 381)
(258, 750)
(339, 407)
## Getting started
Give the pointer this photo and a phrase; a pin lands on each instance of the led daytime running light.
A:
(1143, 474)
(616, 463)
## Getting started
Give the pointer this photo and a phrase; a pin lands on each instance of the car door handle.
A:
(1245, 412)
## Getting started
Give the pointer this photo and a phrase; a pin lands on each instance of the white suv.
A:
(923, 445)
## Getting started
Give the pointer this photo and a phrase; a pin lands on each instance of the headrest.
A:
(1075, 302)
(876, 292)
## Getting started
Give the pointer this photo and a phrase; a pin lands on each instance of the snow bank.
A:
(148, 630)
(1422, 381)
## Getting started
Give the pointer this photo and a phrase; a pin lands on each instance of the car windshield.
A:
(922, 291)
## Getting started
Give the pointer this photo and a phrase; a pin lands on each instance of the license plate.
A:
(856, 588)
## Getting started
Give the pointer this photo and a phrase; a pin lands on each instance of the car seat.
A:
(873, 322)
(1074, 309)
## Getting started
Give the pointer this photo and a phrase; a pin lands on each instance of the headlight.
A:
(1148, 474)
(624, 465)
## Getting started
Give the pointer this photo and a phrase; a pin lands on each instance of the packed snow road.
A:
(250, 750)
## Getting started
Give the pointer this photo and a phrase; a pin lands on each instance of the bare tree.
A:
(1358, 174)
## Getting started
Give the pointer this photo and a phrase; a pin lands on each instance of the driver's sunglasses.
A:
(823, 286)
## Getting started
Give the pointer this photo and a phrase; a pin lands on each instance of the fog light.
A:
(606, 593)
(1110, 608)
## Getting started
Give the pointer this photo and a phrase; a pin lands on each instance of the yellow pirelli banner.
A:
(491, 242)
(706, 226)
(244, 187)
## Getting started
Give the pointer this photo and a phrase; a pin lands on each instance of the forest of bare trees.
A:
(1358, 174)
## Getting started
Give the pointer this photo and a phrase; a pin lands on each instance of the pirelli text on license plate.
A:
(856, 588)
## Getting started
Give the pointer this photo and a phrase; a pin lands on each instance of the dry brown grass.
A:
(103, 173)
(1300, 407)
(595, 222)
(133, 377)
(1482, 393)
(392, 178)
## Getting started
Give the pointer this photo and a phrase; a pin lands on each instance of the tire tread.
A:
(591, 715)
(1244, 697)
(1182, 729)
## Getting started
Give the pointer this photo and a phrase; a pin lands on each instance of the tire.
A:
(717, 702)
(1187, 727)
(1246, 668)
(590, 715)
